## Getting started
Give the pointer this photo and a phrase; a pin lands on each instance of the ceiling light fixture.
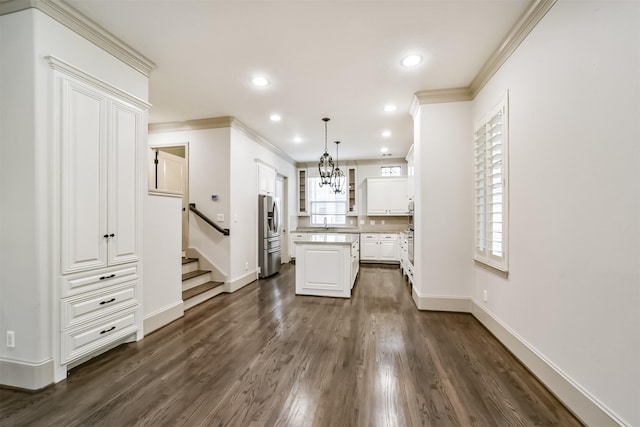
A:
(260, 81)
(325, 166)
(338, 178)
(389, 108)
(275, 118)
(297, 139)
(386, 133)
(411, 60)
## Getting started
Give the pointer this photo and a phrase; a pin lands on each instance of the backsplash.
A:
(371, 224)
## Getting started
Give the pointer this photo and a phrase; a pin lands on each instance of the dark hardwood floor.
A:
(265, 357)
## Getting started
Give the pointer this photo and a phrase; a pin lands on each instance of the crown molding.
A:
(530, 18)
(536, 10)
(85, 27)
(197, 124)
(256, 137)
(218, 123)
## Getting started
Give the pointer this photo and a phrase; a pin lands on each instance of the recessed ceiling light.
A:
(384, 149)
(275, 117)
(389, 108)
(411, 60)
(260, 81)
(297, 139)
(386, 133)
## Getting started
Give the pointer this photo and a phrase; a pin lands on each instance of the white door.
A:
(83, 216)
(170, 174)
(123, 196)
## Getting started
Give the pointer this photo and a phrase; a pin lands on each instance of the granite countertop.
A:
(333, 238)
(352, 230)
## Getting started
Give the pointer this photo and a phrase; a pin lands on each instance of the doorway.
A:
(169, 175)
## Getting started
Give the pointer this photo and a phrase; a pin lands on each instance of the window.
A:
(325, 205)
(490, 179)
(390, 171)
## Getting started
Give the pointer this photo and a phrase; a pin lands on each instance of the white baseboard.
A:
(26, 375)
(441, 303)
(240, 282)
(162, 317)
(584, 406)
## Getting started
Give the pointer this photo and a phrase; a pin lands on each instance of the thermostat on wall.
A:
(214, 197)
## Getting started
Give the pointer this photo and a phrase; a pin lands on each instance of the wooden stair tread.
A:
(197, 290)
(192, 274)
(188, 260)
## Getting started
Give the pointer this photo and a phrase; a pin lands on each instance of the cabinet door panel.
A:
(124, 185)
(83, 179)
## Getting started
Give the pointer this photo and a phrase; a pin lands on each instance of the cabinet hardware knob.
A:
(112, 235)
(106, 236)
(107, 302)
(107, 330)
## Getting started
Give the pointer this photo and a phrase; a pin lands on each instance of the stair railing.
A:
(192, 208)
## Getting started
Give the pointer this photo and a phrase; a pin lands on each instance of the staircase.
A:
(197, 285)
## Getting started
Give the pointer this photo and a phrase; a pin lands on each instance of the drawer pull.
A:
(107, 277)
(107, 330)
(107, 302)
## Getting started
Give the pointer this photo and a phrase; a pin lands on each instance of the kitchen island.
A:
(327, 264)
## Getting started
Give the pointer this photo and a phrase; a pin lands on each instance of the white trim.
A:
(441, 303)
(162, 317)
(26, 375)
(240, 282)
(536, 10)
(68, 69)
(219, 123)
(86, 28)
(585, 406)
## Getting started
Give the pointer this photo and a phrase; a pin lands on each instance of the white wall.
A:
(27, 267)
(162, 287)
(209, 174)
(244, 199)
(444, 210)
(573, 289)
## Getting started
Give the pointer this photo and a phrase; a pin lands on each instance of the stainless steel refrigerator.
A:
(268, 235)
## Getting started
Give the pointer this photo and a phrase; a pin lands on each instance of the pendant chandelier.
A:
(325, 166)
(338, 178)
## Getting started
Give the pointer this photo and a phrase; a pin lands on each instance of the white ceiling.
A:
(324, 58)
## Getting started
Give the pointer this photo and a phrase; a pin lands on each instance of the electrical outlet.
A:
(362, 222)
(485, 297)
(246, 266)
(382, 222)
(372, 222)
(11, 339)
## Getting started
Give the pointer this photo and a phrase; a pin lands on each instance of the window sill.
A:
(490, 268)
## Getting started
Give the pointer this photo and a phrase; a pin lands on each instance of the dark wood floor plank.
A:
(263, 356)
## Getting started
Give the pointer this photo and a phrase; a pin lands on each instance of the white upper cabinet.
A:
(387, 196)
(100, 191)
(266, 180)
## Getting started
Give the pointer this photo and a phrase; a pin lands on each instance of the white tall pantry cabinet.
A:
(99, 134)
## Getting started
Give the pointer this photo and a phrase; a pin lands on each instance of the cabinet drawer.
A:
(97, 279)
(388, 236)
(372, 237)
(87, 307)
(83, 341)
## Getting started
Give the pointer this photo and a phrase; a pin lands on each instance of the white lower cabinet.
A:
(379, 247)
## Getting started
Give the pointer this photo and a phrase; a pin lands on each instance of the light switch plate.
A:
(220, 217)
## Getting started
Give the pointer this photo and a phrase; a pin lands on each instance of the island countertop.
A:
(331, 238)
